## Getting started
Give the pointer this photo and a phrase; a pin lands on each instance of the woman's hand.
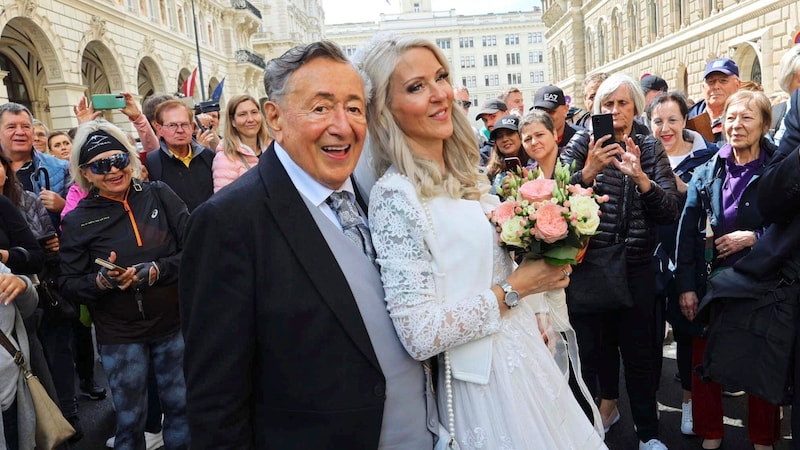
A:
(734, 242)
(630, 165)
(131, 109)
(535, 276)
(84, 111)
(599, 157)
(10, 287)
(52, 244)
(688, 302)
(682, 187)
(112, 278)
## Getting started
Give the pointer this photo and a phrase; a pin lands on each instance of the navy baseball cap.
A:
(722, 65)
(549, 98)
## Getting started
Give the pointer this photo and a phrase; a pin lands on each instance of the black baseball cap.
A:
(490, 107)
(549, 98)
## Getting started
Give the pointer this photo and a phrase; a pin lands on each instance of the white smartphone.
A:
(108, 264)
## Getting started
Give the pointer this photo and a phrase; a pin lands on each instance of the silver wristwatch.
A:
(512, 297)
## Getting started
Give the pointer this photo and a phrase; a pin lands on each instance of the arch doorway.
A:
(749, 61)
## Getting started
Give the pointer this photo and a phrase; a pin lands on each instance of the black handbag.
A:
(751, 336)
(56, 307)
(600, 282)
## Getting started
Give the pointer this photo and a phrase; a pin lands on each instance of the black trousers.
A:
(11, 426)
(635, 331)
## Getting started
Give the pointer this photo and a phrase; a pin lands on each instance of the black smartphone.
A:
(602, 125)
(512, 164)
(199, 125)
(43, 240)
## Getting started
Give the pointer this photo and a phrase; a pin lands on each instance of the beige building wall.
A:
(673, 39)
(54, 51)
(478, 47)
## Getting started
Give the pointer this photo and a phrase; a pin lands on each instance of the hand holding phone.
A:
(512, 164)
(108, 265)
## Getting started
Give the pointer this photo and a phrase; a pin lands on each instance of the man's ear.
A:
(273, 115)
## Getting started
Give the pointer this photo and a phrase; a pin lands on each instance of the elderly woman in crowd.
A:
(634, 172)
(720, 223)
(686, 150)
(139, 226)
(245, 140)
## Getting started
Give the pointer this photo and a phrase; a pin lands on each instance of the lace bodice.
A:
(424, 274)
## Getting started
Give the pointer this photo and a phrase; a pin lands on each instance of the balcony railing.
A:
(244, 4)
(247, 56)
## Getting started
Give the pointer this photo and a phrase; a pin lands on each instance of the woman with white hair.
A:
(789, 80)
(138, 226)
(634, 171)
(450, 289)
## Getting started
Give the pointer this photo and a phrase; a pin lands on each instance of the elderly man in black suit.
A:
(288, 341)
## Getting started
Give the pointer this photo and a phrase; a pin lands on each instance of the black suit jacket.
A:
(277, 355)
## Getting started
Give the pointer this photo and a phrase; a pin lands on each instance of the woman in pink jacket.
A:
(245, 139)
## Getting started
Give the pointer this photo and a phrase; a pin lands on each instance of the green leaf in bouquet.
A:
(563, 254)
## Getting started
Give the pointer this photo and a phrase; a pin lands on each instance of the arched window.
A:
(590, 53)
(616, 34)
(601, 44)
(679, 14)
(15, 84)
(653, 19)
(563, 60)
(633, 25)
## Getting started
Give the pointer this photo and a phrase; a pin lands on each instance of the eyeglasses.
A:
(103, 166)
(464, 103)
(173, 127)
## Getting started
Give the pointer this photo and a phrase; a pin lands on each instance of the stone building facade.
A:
(670, 38)
(487, 53)
(54, 51)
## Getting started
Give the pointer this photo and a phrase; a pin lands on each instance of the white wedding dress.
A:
(439, 259)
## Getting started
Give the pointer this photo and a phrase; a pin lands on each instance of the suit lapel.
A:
(312, 251)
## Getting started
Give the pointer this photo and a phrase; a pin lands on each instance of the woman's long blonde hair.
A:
(230, 142)
(377, 60)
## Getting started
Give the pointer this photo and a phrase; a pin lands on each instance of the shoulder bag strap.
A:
(244, 161)
(16, 354)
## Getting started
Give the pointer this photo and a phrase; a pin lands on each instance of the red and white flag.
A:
(188, 85)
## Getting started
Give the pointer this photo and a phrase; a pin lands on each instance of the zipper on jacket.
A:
(130, 216)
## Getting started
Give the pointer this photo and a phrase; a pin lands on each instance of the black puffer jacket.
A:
(659, 206)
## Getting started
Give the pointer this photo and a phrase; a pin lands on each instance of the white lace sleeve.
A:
(426, 323)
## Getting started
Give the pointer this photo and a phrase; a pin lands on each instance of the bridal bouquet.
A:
(543, 218)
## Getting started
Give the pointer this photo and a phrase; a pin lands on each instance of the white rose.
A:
(586, 210)
(510, 232)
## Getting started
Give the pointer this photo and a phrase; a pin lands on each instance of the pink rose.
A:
(575, 189)
(537, 191)
(504, 212)
(551, 226)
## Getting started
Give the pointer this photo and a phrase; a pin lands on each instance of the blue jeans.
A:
(126, 366)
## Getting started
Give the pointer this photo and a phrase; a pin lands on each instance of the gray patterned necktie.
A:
(352, 223)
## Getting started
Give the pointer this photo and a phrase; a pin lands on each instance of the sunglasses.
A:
(464, 103)
(103, 166)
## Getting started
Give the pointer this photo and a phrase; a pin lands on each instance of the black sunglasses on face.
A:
(464, 103)
(103, 166)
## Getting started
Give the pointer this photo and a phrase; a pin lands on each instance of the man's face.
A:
(321, 121)
(175, 128)
(215, 119)
(559, 116)
(462, 97)
(717, 87)
(490, 119)
(514, 102)
(649, 96)
(17, 133)
(588, 95)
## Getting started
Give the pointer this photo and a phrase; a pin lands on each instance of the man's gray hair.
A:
(15, 108)
(278, 71)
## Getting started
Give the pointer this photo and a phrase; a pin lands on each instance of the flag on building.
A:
(189, 84)
(218, 91)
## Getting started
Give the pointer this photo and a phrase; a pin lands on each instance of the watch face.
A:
(512, 299)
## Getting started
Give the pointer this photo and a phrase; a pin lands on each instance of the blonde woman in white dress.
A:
(451, 290)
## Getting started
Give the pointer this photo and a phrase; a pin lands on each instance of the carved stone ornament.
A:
(98, 26)
(149, 46)
(26, 7)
